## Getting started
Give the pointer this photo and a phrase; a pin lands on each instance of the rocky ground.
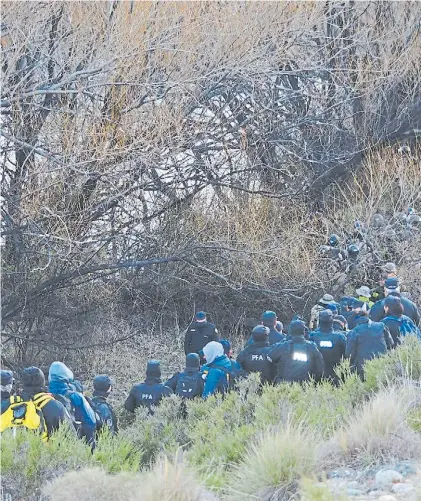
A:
(399, 482)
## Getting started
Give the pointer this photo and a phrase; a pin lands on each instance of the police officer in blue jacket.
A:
(331, 344)
(149, 393)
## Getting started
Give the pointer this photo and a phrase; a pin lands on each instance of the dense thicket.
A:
(162, 157)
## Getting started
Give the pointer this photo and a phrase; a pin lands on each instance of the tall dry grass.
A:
(378, 431)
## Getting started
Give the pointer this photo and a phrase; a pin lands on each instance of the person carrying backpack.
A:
(366, 341)
(188, 383)
(106, 417)
(296, 359)
(398, 324)
(35, 409)
(60, 378)
(218, 370)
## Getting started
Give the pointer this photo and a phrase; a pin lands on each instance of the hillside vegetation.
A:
(275, 443)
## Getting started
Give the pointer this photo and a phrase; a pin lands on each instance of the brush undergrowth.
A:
(228, 441)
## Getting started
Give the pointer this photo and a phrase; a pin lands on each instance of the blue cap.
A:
(200, 315)
(391, 283)
(269, 318)
(102, 383)
(226, 344)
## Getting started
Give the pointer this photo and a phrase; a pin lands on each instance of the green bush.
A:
(394, 366)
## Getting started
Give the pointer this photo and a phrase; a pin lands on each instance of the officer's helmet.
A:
(333, 240)
(353, 251)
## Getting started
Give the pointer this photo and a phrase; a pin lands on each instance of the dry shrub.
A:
(272, 466)
(165, 482)
(378, 430)
(93, 484)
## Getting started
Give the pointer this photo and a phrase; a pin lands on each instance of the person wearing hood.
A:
(392, 288)
(217, 372)
(149, 393)
(188, 383)
(199, 333)
(60, 379)
(366, 341)
(54, 413)
(254, 356)
(331, 344)
(99, 403)
(296, 359)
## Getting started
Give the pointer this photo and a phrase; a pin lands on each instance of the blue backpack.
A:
(406, 326)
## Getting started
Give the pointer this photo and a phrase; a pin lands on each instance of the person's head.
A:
(153, 369)
(297, 328)
(393, 306)
(227, 347)
(279, 326)
(260, 334)
(333, 240)
(326, 318)
(353, 251)
(103, 384)
(212, 351)
(6, 381)
(378, 221)
(200, 316)
(192, 361)
(364, 291)
(60, 372)
(33, 377)
(326, 300)
(391, 285)
(269, 318)
(390, 270)
(356, 304)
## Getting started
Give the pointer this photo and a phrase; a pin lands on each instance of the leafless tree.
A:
(123, 121)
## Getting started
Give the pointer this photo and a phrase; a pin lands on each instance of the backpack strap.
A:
(42, 399)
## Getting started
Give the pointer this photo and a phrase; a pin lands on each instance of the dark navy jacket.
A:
(254, 359)
(366, 341)
(147, 394)
(105, 411)
(296, 360)
(54, 412)
(332, 346)
(410, 309)
(198, 335)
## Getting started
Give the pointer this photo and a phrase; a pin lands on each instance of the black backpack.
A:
(103, 413)
(187, 386)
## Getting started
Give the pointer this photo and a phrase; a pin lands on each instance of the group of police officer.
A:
(359, 328)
